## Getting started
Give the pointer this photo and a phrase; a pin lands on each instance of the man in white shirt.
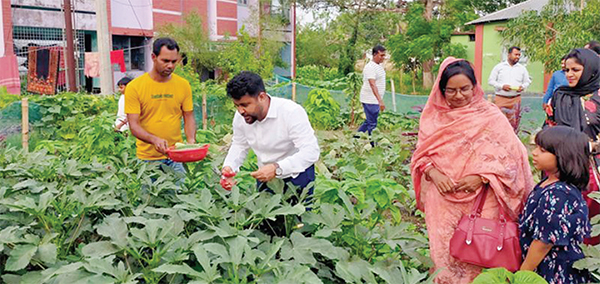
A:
(277, 129)
(373, 89)
(509, 80)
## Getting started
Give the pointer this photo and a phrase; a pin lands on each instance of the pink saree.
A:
(476, 139)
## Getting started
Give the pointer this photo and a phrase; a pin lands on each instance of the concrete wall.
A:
(495, 51)
(464, 40)
(246, 15)
(138, 15)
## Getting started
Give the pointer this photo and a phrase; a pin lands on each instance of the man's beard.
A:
(250, 118)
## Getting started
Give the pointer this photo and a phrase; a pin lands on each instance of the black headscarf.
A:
(566, 101)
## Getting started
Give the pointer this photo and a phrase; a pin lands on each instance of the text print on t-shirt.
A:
(160, 96)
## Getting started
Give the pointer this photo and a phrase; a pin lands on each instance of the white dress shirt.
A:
(372, 71)
(505, 74)
(284, 136)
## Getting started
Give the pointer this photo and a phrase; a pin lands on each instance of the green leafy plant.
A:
(323, 111)
(502, 276)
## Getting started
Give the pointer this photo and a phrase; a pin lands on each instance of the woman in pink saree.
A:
(465, 143)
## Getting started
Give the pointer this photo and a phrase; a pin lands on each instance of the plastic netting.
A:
(532, 113)
(533, 116)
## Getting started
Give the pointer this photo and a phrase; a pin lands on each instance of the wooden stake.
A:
(204, 114)
(25, 123)
(293, 91)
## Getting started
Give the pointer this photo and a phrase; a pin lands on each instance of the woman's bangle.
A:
(484, 180)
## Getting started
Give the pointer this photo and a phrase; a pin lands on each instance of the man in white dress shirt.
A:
(277, 129)
(510, 79)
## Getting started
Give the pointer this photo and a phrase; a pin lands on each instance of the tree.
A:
(353, 15)
(422, 41)
(483, 7)
(193, 40)
(547, 36)
(316, 46)
(245, 54)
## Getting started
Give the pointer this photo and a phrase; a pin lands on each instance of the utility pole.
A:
(106, 74)
(293, 53)
(71, 85)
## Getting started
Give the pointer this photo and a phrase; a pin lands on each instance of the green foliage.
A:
(88, 211)
(245, 54)
(315, 47)
(317, 72)
(502, 276)
(491, 6)
(219, 105)
(547, 36)
(193, 40)
(6, 98)
(323, 111)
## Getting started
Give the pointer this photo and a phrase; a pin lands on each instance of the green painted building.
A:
(486, 48)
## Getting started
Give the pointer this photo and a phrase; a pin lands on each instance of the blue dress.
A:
(556, 214)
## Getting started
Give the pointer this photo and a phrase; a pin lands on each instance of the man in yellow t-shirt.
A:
(155, 103)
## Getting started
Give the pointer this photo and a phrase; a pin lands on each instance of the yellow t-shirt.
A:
(160, 106)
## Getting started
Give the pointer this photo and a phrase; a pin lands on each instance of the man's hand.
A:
(227, 181)
(160, 145)
(381, 106)
(469, 184)
(506, 88)
(443, 183)
(191, 141)
(520, 89)
(265, 173)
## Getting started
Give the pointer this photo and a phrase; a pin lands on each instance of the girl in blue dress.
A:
(555, 220)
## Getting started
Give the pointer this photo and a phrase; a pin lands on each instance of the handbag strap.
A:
(480, 201)
(476, 213)
(478, 205)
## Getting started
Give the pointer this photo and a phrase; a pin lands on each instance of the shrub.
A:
(323, 111)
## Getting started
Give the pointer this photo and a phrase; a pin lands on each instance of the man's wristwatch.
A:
(278, 170)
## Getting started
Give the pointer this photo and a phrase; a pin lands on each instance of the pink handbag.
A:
(487, 242)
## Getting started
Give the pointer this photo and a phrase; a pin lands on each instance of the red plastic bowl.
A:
(187, 155)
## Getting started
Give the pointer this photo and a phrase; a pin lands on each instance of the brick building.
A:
(132, 23)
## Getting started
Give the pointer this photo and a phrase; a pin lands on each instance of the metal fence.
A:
(24, 37)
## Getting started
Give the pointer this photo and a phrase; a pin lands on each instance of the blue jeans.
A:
(371, 112)
(167, 165)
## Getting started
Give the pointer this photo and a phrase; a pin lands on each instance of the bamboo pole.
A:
(393, 94)
(25, 123)
(204, 114)
(293, 91)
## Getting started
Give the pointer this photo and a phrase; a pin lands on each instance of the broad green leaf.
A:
(19, 257)
(297, 209)
(492, 276)
(177, 269)
(11, 279)
(28, 183)
(236, 249)
(99, 249)
(218, 250)
(114, 228)
(47, 253)
(528, 277)
(355, 271)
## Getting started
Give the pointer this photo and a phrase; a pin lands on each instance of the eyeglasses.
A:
(466, 90)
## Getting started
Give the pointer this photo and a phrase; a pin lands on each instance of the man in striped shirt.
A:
(373, 89)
